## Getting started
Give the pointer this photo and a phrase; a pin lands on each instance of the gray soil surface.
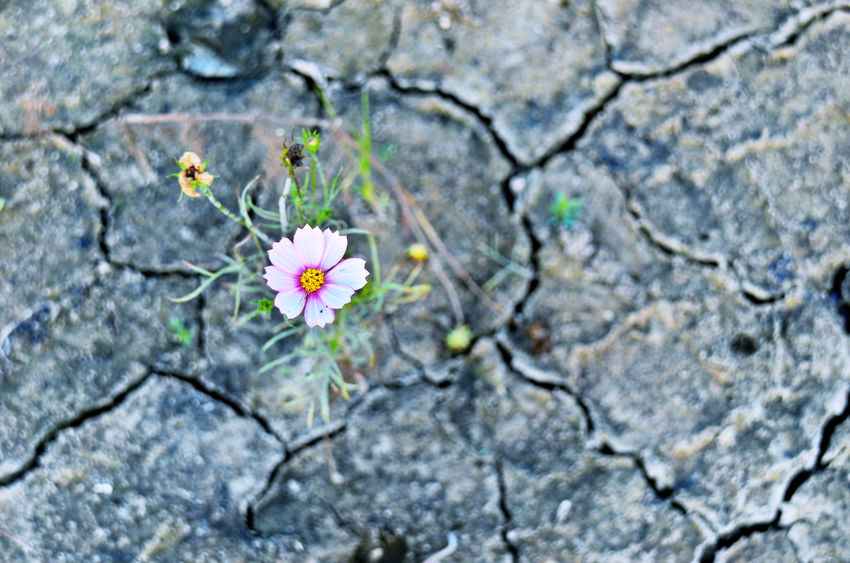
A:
(663, 377)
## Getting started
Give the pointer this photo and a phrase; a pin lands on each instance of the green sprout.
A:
(2, 203)
(565, 210)
(179, 332)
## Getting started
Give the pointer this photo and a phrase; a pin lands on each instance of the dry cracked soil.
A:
(662, 377)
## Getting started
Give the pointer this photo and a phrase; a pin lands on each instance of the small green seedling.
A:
(179, 332)
(565, 210)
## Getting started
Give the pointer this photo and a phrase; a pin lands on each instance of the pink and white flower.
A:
(310, 276)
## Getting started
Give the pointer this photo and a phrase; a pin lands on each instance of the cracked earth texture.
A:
(669, 379)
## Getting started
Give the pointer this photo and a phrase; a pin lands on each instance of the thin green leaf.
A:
(212, 277)
(326, 408)
(293, 402)
(300, 383)
(263, 213)
(238, 293)
(311, 410)
(278, 337)
(243, 199)
(334, 373)
(281, 360)
(247, 317)
(326, 103)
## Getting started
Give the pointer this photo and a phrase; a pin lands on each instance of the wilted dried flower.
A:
(192, 173)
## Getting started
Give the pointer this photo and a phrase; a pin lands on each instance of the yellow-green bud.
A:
(459, 338)
(418, 252)
(312, 144)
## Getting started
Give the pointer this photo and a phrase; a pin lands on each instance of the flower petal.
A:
(284, 256)
(186, 186)
(205, 178)
(279, 280)
(190, 159)
(335, 246)
(351, 272)
(291, 303)
(310, 245)
(334, 295)
(316, 313)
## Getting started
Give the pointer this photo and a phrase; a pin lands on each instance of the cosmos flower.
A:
(192, 170)
(310, 275)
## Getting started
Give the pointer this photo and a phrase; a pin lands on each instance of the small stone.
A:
(103, 488)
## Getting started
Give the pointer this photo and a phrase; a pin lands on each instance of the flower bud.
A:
(418, 252)
(192, 173)
(459, 338)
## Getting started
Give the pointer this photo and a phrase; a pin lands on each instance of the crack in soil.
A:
(722, 541)
(706, 56)
(220, 397)
(115, 110)
(395, 343)
(298, 445)
(89, 167)
(542, 380)
(670, 246)
(477, 112)
(753, 295)
(550, 382)
(76, 421)
(726, 540)
(200, 308)
(799, 23)
(506, 514)
(250, 511)
(90, 164)
(118, 399)
(534, 282)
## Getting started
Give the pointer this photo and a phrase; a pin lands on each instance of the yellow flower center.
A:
(312, 280)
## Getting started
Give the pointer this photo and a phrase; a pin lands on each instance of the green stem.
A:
(208, 192)
(298, 197)
(313, 180)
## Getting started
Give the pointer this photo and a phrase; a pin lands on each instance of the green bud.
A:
(418, 252)
(311, 140)
(459, 338)
(264, 305)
